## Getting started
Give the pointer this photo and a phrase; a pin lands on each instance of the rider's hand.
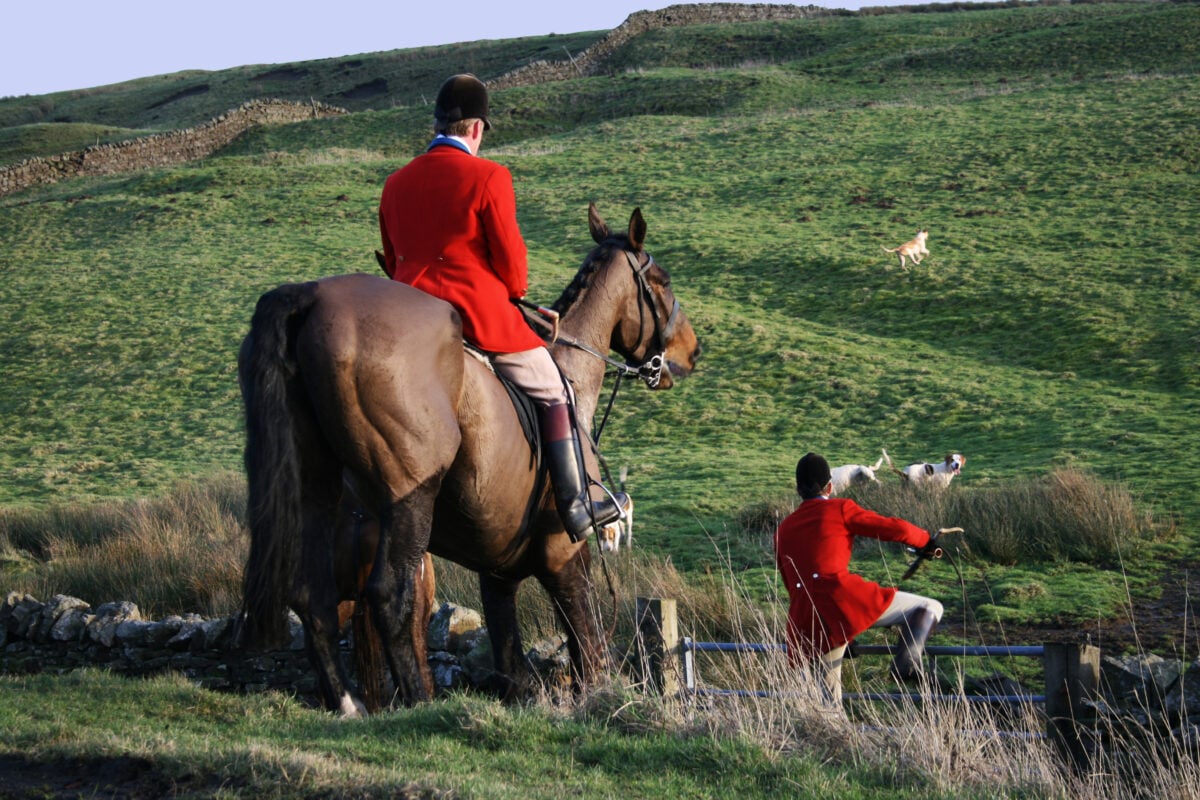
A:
(931, 550)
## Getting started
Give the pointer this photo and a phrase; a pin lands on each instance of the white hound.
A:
(849, 475)
(937, 476)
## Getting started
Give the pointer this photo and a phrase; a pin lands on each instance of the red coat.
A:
(448, 220)
(829, 604)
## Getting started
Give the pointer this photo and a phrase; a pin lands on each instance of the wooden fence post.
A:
(658, 644)
(1072, 682)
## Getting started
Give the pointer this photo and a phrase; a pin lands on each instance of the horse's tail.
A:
(267, 373)
(368, 657)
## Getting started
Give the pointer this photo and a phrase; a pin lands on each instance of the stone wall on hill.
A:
(178, 147)
(159, 150)
(591, 60)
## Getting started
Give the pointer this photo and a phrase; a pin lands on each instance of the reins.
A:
(649, 370)
(548, 318)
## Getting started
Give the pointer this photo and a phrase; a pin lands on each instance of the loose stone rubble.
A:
(66, 633)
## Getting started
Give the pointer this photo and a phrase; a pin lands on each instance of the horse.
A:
(359, 376)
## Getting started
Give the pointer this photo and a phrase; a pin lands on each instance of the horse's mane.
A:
(601, 254)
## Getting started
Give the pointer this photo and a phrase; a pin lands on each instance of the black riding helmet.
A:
(812, 473)
(462, 97)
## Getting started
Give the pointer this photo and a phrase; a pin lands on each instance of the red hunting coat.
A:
(829, 604)
(448, 220)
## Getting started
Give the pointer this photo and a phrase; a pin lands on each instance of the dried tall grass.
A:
(952, 747)
(178, 554)
(1067, 515)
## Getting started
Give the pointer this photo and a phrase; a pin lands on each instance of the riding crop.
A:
(928, 552)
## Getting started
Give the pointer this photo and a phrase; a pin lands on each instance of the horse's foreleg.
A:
(396, 593)
(499, 597)
(571, 591)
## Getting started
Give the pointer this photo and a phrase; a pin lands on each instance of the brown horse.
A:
(360, 374)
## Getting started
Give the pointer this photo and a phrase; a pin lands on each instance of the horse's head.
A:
(651, 327)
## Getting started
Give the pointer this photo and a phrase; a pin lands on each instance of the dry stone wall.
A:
(591, 60)
(66, 633)
(159, 150)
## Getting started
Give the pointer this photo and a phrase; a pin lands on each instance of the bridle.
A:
(649, 370)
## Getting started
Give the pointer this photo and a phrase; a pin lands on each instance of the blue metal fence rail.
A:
(689, 647)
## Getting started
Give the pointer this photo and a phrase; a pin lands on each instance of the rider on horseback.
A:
(449, 227)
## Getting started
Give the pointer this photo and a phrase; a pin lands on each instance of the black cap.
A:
(462, 97)
(812, 473)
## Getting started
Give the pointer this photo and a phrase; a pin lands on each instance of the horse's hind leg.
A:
(396, 591)
(315, 594)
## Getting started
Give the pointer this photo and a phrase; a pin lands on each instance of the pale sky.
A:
(71, 44)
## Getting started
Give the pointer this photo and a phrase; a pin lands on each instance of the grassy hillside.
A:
(1053, 326)
(1048, 42)
(357, 82)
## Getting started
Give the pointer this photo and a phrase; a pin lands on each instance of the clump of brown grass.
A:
(178, 554)
(1067, 515)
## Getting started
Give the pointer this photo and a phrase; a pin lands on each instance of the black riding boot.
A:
(914, 632)
(564, 456)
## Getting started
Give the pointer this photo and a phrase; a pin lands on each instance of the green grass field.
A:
(1053, 153)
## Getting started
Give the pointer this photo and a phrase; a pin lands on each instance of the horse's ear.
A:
(597, 225)
(637, 230)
